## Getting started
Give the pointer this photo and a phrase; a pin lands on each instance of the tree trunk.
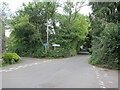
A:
(70, 16)
(2, 37)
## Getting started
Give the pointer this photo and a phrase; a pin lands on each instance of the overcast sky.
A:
(14, 5)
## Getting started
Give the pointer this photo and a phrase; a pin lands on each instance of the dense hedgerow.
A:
(10, 58)
(106, 48)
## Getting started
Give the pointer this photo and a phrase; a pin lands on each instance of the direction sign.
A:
(56, 45)
(45, 44)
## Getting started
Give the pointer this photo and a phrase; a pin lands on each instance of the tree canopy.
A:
(30, 25)
(104, 38)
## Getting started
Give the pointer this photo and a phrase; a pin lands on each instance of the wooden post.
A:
(54, 47)
(45, 49)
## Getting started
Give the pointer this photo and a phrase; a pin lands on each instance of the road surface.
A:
(74, 72)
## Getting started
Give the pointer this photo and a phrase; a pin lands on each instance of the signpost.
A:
(45, 44)
(56, 45)
(0, 37)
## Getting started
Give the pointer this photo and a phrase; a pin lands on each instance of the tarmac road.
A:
(74, 72)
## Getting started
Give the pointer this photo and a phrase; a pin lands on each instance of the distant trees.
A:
(72, 35)
(30, 24)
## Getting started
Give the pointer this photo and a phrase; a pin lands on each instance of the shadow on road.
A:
(83, 52)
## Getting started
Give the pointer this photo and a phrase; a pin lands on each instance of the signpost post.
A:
(0, 37)
(56, 45)
(45, 44)
(47, 32)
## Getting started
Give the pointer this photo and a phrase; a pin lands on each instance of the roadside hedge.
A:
(10, 58)
(106, 48)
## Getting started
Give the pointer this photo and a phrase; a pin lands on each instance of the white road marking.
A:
(110, 82)
(30, 64)
(12, 68)
(36, 63)
(96, 72)
(98, 77)
(24, 66)
(104, 87)
(105, 75)
(101, 83)
(19, 66)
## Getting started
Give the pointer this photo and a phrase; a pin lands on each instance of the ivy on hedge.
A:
(106, 48)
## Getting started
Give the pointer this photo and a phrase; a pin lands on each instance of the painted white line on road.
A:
(96, 72)
(93, 66)
(24, 66)
(110, 82)
(19, 66)
(48, 61)
(103, 87)
(101, 83)
(40, 63)
(9, 70)
(12, 68)
(3, 70)
(105, 75)
(98, 77)
(30, 64)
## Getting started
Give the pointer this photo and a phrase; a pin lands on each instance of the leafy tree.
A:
(106, 48)
(103, 13)
(105, 34)
(73, 8)
(72, 35)
(25, 36)
(30, 24)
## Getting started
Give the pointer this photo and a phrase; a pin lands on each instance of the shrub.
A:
(10, 58)
(59, 52)
(73, 52)
(106, 48)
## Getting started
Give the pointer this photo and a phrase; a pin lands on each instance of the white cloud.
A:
(15, 4)
(85, 10)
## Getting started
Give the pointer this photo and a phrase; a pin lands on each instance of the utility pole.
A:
(47, 31)
(0, 37)
(0, 42)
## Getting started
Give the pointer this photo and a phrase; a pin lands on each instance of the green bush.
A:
(73, 52)
(59, 52)
(39, 52)
(10, 58)
(106, 48)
